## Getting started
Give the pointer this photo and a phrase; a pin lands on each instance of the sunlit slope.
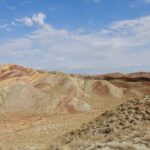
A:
(125, 127)
(40, 92)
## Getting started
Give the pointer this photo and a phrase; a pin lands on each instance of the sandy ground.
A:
(39, 132)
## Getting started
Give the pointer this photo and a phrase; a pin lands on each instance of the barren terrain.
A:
(125, 127)
(42, 110)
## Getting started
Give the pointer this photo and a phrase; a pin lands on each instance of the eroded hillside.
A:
(125, 127)
(37, 108)
(34, 91)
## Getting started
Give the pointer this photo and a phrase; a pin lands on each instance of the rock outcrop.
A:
(125, 127)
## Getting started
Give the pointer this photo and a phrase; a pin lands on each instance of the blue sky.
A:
(77, 36)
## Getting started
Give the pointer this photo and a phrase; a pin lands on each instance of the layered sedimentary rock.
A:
(40, 108)
(35, 91)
